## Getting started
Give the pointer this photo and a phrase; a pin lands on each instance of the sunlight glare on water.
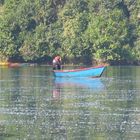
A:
(34, 105)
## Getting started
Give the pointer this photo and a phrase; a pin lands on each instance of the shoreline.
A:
(18, 64)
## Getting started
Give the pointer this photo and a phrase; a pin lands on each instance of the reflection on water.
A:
(91, 83)
(34, 105)
(94, 84)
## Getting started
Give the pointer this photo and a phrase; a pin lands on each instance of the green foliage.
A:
(34, 30)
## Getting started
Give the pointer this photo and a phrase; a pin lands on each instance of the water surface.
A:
(36, 106)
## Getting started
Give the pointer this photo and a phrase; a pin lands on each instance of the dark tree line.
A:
(87, 30)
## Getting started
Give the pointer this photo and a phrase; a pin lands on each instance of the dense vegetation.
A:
(102, 30)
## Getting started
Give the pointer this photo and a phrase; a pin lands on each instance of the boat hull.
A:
(85, 72)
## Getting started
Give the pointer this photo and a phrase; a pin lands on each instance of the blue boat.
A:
(84, 72)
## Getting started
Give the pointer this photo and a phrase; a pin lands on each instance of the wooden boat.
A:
(84, 72)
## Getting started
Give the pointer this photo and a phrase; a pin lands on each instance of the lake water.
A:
(36, 106)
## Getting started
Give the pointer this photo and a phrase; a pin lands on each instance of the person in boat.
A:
(57, 63)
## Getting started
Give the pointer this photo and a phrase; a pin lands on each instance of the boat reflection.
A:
(94, 84)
